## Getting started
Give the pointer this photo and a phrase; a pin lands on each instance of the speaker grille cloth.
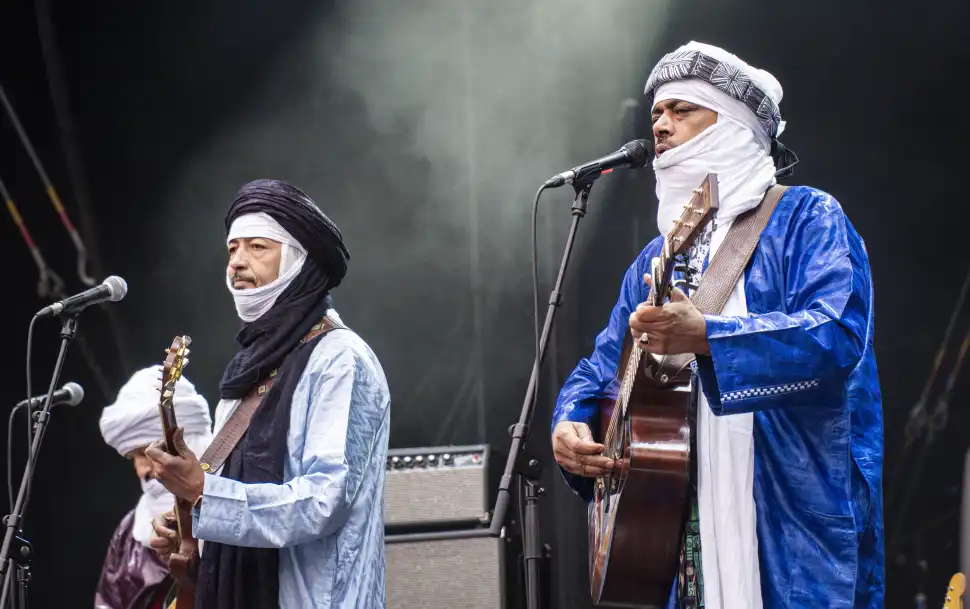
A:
(444, 574)
(424, 496)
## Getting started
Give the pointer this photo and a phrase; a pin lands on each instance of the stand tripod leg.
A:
(23, 577)
(6, 581)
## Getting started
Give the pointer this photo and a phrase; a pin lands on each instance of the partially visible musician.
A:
(133, 577)
(787, 485)
(293, 519)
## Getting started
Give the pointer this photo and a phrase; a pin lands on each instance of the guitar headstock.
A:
(698, 212)
(954, 593)
(176, 359)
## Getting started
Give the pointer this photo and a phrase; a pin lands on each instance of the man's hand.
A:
(165, 539)
(675, 328)
(576, 452)
(182, 475)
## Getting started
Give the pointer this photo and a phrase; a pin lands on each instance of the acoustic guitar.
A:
(180, 562)
(636, 518)
(954, 592)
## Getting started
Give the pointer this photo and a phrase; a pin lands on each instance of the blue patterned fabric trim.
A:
(760, 392)
(727, 77)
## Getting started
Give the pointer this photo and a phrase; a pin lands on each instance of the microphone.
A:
(70, 394)
(633, 155)
(114, 289)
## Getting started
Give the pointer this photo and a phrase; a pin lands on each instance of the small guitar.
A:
(954, 592)
(637, 514)
(180, 562)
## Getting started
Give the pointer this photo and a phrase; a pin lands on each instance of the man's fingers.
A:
(677, 295)
(161, 528)
(583, 469)
(583, 432)
(161, 543)
(158, 456)
(178, 439)
(598, 461)
(582, 447)
(648, 314)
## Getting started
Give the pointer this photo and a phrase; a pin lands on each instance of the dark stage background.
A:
(423, 129)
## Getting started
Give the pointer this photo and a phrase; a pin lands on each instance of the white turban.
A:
(134, 422)
(252, 303)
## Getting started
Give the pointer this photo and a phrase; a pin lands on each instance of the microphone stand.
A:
(528, 467)
(17, 551)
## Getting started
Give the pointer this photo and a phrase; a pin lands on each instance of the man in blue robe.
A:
(787, 486)
(294, 517)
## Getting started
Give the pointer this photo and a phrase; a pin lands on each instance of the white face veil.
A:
(734, 148)
(252, 303)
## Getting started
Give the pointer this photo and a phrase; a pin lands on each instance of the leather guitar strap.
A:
(235, 428)
(734, 253)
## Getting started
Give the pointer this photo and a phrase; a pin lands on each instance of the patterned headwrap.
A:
(757, 89)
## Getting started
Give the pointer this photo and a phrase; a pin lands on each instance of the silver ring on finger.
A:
(644, 339)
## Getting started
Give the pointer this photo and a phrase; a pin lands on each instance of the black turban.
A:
(300, 216)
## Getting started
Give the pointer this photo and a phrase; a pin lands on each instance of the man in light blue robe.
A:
(294, 517)
(787, 489)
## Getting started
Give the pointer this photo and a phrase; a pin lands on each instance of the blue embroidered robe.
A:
(803, 363)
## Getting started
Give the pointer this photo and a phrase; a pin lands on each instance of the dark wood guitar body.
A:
(637, 516)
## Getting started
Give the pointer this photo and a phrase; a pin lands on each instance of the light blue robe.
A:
(326, 519)
(803, 363)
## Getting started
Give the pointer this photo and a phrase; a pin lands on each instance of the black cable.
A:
(30, 343)
(536, 366)
(13, 412)
(535, 300)
(30, 418)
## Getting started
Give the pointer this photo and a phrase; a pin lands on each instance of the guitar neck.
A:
(661, 275)
(169, 424)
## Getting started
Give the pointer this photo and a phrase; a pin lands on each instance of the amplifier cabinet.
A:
(441, 485)
(446, 570)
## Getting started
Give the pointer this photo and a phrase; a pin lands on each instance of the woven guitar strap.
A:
(723, 272)
(730, 259)
(234, 429)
